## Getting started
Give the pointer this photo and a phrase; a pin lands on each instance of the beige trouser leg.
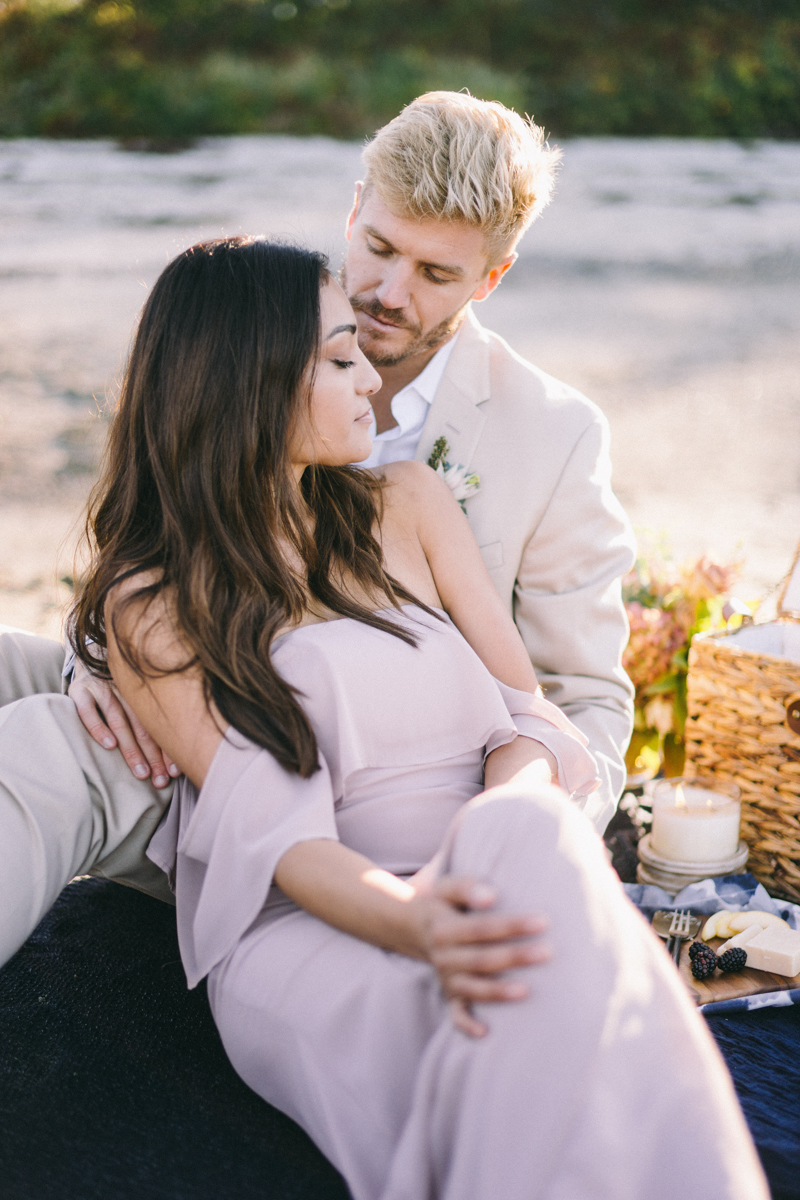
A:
(67, 806)
(29, 665)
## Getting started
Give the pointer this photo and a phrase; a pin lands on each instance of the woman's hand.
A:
(471, 948)
(111, 723)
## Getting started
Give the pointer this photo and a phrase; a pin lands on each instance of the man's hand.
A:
(470, 949)
(523, 754)
(111, 723)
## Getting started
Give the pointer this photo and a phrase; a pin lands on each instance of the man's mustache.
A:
(393, 316)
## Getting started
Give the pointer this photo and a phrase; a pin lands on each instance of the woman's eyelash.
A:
(343, 363)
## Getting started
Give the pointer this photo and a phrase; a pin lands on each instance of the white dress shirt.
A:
(409, 409)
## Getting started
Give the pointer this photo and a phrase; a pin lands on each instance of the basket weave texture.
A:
(737, 731)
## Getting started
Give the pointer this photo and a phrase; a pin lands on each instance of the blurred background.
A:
(664, 280)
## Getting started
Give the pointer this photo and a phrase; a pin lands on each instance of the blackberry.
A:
(700, 949)
(704, 965)
(732, 960)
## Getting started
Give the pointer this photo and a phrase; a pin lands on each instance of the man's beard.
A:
(420, 342)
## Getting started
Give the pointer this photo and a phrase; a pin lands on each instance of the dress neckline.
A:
(337, 620)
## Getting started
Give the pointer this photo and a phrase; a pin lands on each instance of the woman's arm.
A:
(419, 499)
(460, 575)
(469, 950)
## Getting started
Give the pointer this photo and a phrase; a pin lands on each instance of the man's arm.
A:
(29, 665)
(568, 608)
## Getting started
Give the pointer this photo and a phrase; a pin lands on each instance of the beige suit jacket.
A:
(553, 535)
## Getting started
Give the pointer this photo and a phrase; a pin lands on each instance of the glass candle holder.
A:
(695, 820)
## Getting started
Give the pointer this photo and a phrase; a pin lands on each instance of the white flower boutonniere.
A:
(462, 484)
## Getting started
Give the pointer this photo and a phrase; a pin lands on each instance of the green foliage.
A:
(175, 69)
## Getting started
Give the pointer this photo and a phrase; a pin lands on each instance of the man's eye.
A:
(381, 253)
(435, 278)
(343, 363)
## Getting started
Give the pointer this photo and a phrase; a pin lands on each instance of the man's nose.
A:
(395, 290)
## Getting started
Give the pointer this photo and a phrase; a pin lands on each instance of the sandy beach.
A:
(663, 281)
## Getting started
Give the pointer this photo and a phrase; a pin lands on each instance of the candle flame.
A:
(680, 799)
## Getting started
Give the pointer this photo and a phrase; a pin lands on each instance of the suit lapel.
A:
(455, 412)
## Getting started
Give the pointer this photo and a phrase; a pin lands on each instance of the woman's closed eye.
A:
(343, 363)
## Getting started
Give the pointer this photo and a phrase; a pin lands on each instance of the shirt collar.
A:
(428, 380)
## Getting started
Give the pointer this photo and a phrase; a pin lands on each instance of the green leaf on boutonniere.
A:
(438, 456)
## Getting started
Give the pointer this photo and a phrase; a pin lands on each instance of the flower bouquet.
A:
(667, 604)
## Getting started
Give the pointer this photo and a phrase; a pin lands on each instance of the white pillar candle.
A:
(693, 824)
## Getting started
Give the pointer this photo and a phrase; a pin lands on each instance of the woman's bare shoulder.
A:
(414, 485)
(130, 582)
(143, 616)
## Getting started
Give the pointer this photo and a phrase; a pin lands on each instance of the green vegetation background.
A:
(165, 71)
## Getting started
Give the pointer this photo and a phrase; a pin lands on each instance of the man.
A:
(451, 185)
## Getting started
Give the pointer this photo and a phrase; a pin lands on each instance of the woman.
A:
(315, 648)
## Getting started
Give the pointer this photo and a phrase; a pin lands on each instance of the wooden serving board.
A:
(727, 987)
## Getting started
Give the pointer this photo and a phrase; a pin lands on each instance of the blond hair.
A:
(455, 158)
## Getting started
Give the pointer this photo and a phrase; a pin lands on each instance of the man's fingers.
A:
(120, 727)
(111, 723)
(92, 721)
(173, 768)
(152, 752)
(128, 732)
(154, 758)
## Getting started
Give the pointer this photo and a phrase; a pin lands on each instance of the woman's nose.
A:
(371, 381)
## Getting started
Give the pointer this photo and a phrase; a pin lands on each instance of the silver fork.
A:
(677, 934)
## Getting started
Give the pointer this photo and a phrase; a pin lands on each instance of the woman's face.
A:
(334, 430)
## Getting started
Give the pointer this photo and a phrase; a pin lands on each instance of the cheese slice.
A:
(741, 939)
(774, 949)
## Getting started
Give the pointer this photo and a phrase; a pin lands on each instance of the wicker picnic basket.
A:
(744, 726)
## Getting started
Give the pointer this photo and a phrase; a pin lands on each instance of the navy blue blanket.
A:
(113, 1081)
(114, 1085)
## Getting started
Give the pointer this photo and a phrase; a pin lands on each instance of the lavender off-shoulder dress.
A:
(584, 1091)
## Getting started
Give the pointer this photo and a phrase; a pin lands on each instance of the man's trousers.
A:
(67, 806)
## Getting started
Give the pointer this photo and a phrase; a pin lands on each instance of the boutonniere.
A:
(462, 484)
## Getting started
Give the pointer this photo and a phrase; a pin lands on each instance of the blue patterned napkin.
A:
(737, 893)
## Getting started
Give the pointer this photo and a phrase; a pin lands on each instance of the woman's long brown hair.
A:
(197, 486)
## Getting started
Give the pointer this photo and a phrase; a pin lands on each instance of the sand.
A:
(663, 281)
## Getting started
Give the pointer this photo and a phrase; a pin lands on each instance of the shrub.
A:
(181, 68)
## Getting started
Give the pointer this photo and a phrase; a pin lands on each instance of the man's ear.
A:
(495, 275)
(348, 233)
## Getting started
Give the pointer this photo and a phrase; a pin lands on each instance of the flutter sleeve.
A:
(220, 847)
(536, 718)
